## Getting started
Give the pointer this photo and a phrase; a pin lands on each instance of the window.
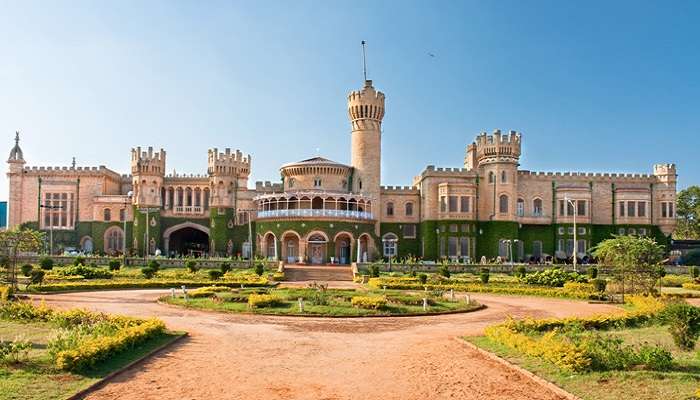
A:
(521, 208)
(452, 246)
(492, 177)
(664, 210)
(537, 249)
(317, 182)
(453, 203)
(443, 204)
(290, 183)
(409, 231)
(622, 209)
(569, 247)
(581, 246)
(631, 231)
(641, 209)
(621, 231)
(409, 209)
(560, 245)
(561, 208)
(122, 215)
(465, 228)
(570, 230)
(443, 228)
(581, 231)
(442, 247)
(58, 210)
(359, 183)
(454, 228)
(503, 204)
(464, 204)
(569, 208)
(503, 249)
(581, 208)
(464, 246)
(642, 231)
(114, 240)
(560, 230)
(670, 210)
(503, 176)
(537, 207)
(107, 214)
(630, 209)
(344, 183)
(390, 209)
(389, 241)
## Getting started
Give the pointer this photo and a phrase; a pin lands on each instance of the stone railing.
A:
(365, 215)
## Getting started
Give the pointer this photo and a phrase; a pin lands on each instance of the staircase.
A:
(318, 273)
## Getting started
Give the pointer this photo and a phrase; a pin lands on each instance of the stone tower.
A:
(147, 169)
(664, 191)
(227, 173)
(14, 175)
(496, 158)
(366, 111)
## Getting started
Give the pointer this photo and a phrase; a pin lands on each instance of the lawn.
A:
(678, 383)
(36, 377)
(330, 302)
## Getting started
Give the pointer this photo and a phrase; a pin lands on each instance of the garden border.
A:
(494, 357)
(102, 382)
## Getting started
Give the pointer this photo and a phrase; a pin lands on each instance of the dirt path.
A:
(259, 357)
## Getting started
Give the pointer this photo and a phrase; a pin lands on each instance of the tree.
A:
(634, 261)
(688, 213)
(13, 243)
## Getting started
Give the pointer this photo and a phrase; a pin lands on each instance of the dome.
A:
(16, 152)
(315, 161)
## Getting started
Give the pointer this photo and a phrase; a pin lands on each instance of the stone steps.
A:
(296, 273)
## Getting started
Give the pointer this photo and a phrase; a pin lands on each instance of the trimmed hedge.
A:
(207, 291)
(140, 284)
(691, 286)
(369, 302)
(5, 292)
(264, 300)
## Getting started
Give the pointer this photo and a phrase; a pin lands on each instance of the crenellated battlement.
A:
(268, 187)
(493, 148)
(70, 171)
(366, 108)
(586, 175)
(147, 162)
(228, 163)
(399, 189)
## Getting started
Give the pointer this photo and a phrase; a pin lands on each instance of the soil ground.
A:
(264, 357)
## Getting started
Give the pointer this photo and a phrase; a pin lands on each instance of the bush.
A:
(264, 300)
(27, 269)
(154, 265)
(79, 261)
(593, 272)
(599, 285)
(444, 270)
(191, 266)
(661, 271)
(369, 302)
(691, 286)
(148, 272)
(14, 351)
(24, 311)
(259, 269)
(654, 358)
(521, 271)
(694, 272)
(674, 280)
(46, 263)
(215, 274)
(207, 291)
(684, 324)
(36, 276)
(85, 272)
(422, 278)
(373, 271)
(484, 275)
(554, 277)
(114, 265)
(5, 292)
(225, 267)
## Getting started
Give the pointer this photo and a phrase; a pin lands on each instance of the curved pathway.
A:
(264, 357)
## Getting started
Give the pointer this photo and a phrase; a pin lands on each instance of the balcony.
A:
(306, 213)
(188, 210)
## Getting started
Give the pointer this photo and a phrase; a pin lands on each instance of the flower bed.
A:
(369, 302)
(140, 284)
(691, 286)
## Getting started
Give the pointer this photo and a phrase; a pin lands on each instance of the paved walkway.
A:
(261, 357)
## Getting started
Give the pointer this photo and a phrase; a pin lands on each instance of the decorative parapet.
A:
(147, 162)
(228, 163)
(493, 148)
(268, 187)
(601, 176)
(72, 171)
(399, 189)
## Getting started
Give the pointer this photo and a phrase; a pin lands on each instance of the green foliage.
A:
(85, 272)
(608, 353)
(593, 272)
(373, 270)
(36, 277)
(444, 270)
(422, 278)
(5, 293)
(154, 265)
(114, 265)
(215, 274)
(684, 324)
(225, 267)
(695, 272)
(688, 213)
(369, 302)
(148, 272)
(484, 275)
(555, 277)
(661, 271)
(14, 242)
(599, 284)
(14, 351)
(79, 260)
(27, 269)
(521, 271)
(259, 269)
(634, 261)
(192, 266)
(46, 263)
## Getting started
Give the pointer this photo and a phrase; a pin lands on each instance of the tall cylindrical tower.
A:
(366, 111)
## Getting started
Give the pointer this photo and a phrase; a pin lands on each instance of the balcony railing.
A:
(315, 213)
(188, 210)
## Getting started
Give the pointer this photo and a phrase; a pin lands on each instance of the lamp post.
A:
(573, 205)
(392, 241)
(127, 200)
(50, 207)
(147, 239)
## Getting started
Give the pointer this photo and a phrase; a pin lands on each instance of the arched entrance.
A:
(270, 246)
(113, 240)
(290, 247)
(317, 248)
(187, 240)
(86, 245)
(343, 248)
(364, 250)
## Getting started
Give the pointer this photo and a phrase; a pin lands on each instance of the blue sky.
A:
(592, 86)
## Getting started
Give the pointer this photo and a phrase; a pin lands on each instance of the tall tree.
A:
(688, 213)
(13, 244)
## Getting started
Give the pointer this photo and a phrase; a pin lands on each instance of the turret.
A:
(147, 169)
(666, 174)
(228, 172)
(15, 177)
(366, 111)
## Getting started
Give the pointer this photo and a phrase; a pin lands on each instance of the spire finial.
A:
(364, 60)
(73, 163)
(16, 137)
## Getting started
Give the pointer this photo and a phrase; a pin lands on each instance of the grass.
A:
(36, 378)
(679, 383)
(337, 303)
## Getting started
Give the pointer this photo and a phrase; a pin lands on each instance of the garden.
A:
(319, 300)
(50, 354)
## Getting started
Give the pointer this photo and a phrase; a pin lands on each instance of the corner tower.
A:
(16, 164)
(228, 173)
(147, 170)
(366, 111)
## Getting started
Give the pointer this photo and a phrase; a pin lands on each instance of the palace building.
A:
(322, 211)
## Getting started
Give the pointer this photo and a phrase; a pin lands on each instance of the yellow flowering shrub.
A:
(263, 300)
(4, 293)
(144, 284)
(691, 286)
(368, 302)
(208, 291)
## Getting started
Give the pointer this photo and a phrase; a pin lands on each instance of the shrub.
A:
(374, 271)
(423, 278)
(215, 274)
(93, 265)
(192, 266)
(521, 271)
(225, 267)
(85, 272)
(593, 272)
(4, 261)
(691, 286)
(555, 277)
(5, 292)
(154, 265)
(264, 300)
(207, 291)
(24, 311)
(599, 284)
(368, 302)
(674, 280)
(259, 269)
(148, 272)
(46, 263)
(661, 271)
(684, 324)
(694, 272)
(27, 269)
(14, 351)
(36, 276)
(444, 270)
(114, 265)
(79, 261)
(655, 358)
(484, 275)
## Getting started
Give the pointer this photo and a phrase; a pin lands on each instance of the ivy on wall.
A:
(490, 233)
(543, 233)
(406, 246)
(154, 230)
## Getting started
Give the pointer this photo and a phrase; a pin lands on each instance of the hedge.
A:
(369, 302)
(263, 300)
(101, 348)
(4, 293)
(140, 284)
(691, 286)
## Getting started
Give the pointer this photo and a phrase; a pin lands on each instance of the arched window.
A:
(290, 183)
(390, 241)
(503, 177)
(409, 209)
(492, 177)
(390, 208)
(503, 204)
(537, 207)
(107, 214)
(521, 208)
(122, 214)
(114, 240)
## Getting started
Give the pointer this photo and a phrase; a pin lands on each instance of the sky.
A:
(593, 86)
